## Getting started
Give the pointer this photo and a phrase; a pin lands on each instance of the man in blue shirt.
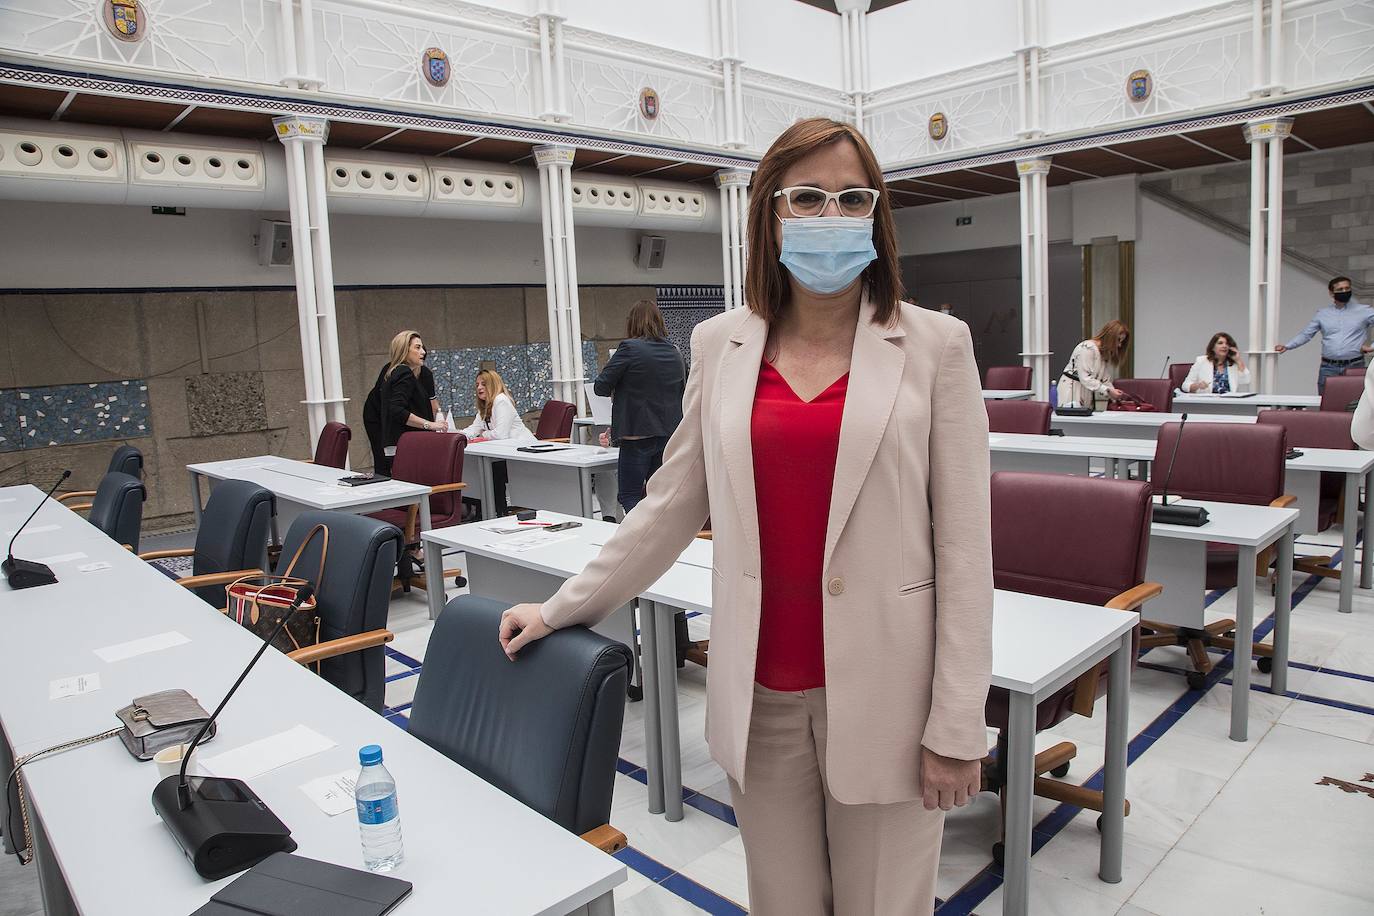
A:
(1343, 326)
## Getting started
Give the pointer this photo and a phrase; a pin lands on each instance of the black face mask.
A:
(1342, 296)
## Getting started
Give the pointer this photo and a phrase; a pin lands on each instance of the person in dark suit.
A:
(401, 400)
(645, 380)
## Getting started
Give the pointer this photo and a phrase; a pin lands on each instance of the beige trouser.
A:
(808, 854)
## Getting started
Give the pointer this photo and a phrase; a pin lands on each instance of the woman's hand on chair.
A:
(605, 439)
(947, 782)
(520, 626)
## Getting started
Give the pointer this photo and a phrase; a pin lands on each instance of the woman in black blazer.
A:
(401, 400)
(645, 381)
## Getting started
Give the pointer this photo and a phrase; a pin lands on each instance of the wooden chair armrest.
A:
(1131, 600)
(75, 494)
(307, 460)
(223, 578)
(411, 531)
(1284, 501)
(705, 534)
(168, 554)
(448, 487)
(606, 838)
(1085, 690)
(557, 439)
(341, 646)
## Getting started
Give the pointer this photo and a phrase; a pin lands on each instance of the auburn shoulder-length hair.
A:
(645, 320)
(1212, 348)
(1110, 342)
(496, 386)
(765, 281)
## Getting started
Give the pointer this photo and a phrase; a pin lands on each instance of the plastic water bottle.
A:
(379, 816)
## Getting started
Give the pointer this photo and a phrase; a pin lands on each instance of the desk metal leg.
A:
(602, 906)
(667, 712)
(1114, 779)
(1283, 609)
(1366, 567)
(653, 733)
(1017, 821)
(1245, 636)
(1349, 526)
(434, 583)
(584, 490)
(195, 497)
(426, 520)
(488, 489)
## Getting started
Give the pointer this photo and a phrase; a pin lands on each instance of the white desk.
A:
(1007, 394)
(583, 428)
(1128, 424)
(557, 480)
(298, 485)
(1039, 645)
(1065, 454)
(104, 851)
(1248, 404)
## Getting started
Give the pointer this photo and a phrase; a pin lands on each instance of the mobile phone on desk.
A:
(563, 526)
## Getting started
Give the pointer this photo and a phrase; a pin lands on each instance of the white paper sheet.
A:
(73, 686)
(600, 407)
(32, 529)
(538, 537)
(123, 650)
(266, 754)
(61, 558)
(333, 794)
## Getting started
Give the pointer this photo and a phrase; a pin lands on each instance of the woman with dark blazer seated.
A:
(852, 574)
(401, 400)
(644, 380)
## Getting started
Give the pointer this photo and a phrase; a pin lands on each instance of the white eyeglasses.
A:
(804, 201)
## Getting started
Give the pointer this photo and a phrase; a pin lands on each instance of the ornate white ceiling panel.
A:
(1330, 42)
(604, 93)
(974, 118)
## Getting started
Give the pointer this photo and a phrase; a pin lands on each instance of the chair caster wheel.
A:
(460, 582)
(1265, 664)
(1099, 823)
(1060, 771)
(636, 693)
(999, 854)
(1196, 680)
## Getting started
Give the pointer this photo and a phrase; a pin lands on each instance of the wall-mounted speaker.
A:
(652, 250)
(274, 243)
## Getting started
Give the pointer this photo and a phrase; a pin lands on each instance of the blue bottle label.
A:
(377, 811)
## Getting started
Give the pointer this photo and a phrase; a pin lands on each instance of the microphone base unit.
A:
(225, 829)
(1175, 514)
(27, 573)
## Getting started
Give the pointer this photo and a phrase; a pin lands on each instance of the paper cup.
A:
(168, 760)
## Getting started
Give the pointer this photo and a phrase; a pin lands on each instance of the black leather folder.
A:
(289, 885)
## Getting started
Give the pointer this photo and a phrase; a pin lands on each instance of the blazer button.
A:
(835, 586)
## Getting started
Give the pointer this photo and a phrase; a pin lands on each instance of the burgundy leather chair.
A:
(1178, 374)
(1342, 392)
(1229, 463)
(1354, 370)
(1318, 429)
(332, 448)
(435, 460)
(1024, 507)
(1007, 378)
(1156, 391)
(1019, 417)
(556, 421)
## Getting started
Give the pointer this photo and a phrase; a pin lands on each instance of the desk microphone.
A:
(221, 824)
(27, 573)
(1164, 373)
(1192, 516)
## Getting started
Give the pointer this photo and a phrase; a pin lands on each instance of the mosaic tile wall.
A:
(684, 307)
(525, 368)
(65, 414)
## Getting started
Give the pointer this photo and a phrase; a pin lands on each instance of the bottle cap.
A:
(369, 755)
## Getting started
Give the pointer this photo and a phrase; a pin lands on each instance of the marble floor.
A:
(1281, 824)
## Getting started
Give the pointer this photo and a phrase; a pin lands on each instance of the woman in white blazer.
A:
(1220, 370)
(497, 418)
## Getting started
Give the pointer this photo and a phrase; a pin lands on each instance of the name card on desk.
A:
(73, 686)
(123, 650)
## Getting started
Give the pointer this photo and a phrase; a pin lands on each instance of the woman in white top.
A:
(497, 418)
(1089, 372)
(1220, 370)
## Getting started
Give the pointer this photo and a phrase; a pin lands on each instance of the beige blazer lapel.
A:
(739, 378)
(875, 374)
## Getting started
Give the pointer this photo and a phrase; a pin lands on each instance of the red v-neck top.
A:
(795, 443)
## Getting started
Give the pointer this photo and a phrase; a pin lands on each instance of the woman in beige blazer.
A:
(839, 788)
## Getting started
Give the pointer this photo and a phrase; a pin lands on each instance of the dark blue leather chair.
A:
(353, 595)
(127, 460)
(231, 541)
(544, 729)
(117, 507)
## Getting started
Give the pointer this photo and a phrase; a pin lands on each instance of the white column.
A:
(323, 260)
(731, 91)
(734, 186)
(553, 77)
(1266, 242)
(854, 52)
(560, 270)
(1035, 321)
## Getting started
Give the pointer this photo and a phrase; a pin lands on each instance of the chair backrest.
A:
(353, 595)
(1356, 370)
(1019, 417)
(233, 533)
(432, 459)
(332, 448)
(545, 729)
(117, 508)
(1156, 391)
(127, 460)
(1316, 429)
(555, 420)
(1178, 374)
(1224, 462)
(1007, 378)
(1342, 392)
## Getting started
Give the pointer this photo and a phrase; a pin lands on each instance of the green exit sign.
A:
(963, 221)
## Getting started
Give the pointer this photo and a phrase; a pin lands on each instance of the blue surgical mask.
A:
(826, 253)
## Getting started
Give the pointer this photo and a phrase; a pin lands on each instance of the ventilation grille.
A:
(672, 202)
(178, 165)
(376, 180)
(57, 156)
(602, 196)
(477, 186)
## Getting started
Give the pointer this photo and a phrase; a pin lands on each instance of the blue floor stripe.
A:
(1312, 698)
(403, 658)
(696, 894)
(404, 674)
